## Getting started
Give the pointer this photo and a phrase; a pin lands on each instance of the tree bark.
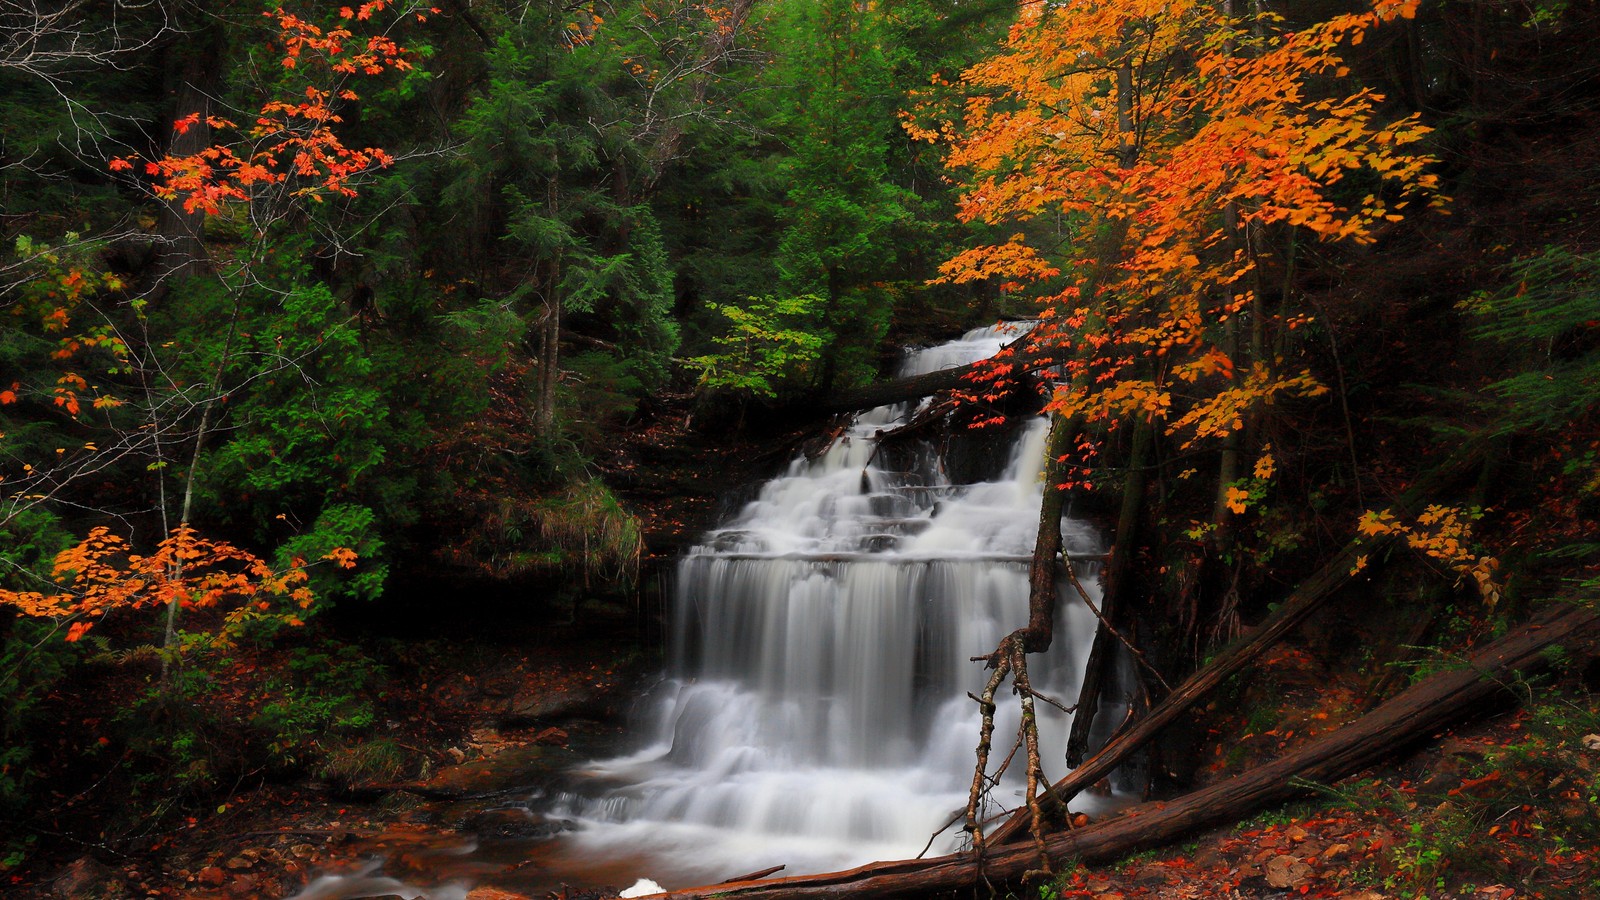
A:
(1415, 715)
(1042, 572)
(194, 75)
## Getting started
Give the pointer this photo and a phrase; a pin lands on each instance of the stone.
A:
(514, 823)
(212, 876)
(1286, 872)
(551, 735)
(86, 878)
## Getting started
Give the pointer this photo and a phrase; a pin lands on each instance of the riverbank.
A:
(469, 719)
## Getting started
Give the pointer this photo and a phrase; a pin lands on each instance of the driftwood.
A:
(1416, 714)
(755, 876)
(1296, 608)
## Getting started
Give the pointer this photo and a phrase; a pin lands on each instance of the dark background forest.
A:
(287, 419)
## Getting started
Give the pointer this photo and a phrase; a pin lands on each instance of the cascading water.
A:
(817, 715)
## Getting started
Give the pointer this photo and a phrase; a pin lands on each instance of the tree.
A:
(834, 67)
(551, 237)
(162, 410)
(105, 576)
(1145, 153)
(1120, 153)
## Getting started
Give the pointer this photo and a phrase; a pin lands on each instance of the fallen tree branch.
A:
(1416, 714)
(1026, 357)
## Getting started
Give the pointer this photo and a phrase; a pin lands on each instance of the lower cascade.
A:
(817, 712)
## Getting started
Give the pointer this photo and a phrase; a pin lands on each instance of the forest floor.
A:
(1500, 809)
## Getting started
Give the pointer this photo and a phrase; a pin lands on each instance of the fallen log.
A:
(1414, 715)
(1296, 608)
(1026, 358)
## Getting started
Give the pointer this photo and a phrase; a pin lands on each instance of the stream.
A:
(815, 711)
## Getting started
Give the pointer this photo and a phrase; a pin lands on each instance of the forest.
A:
(366, 371)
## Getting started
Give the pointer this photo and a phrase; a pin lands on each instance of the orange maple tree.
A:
(1146, 152)
(102, 574)
(291, 142)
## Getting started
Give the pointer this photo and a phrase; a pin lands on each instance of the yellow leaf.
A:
(1264, 467)
(1237, 498)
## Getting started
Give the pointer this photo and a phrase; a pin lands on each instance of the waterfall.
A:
(817, 714)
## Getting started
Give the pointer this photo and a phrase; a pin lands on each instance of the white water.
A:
(818, 714)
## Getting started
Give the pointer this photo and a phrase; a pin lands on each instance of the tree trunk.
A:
(1114, 588)
(1414, 716)
(1042, 571)
(194, 73)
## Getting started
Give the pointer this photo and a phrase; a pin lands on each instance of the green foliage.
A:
(309, 420)
(347, 526)
(772, 343)
(601, 391)
(364, 761)
(328, 692)
(33, 659)
(844, 211)
(1549, 321)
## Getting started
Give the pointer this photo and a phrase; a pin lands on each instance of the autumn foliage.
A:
(103, 574)
(1155, 160)
(291, 142)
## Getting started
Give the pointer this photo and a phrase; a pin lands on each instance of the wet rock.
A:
(514, 823)
(212, 876)
(585, 893)
(86, 878)
(544, 705)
